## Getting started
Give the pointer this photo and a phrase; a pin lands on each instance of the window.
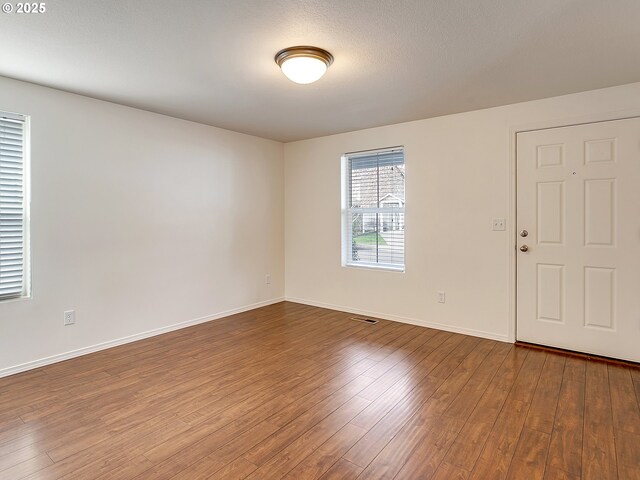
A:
(13, 207)
(373, 206)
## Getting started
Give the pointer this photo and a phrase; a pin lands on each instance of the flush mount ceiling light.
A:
(303, 64)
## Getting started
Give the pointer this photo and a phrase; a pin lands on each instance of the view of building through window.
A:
(375, 202)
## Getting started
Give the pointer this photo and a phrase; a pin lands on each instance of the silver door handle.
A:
(524, 248)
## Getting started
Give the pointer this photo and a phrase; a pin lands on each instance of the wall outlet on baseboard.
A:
(442, 297)
(267, 279)
(69, 317)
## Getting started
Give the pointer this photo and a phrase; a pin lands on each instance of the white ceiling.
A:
(395, 60)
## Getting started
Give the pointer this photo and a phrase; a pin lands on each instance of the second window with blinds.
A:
(373, 205)
(14, 224)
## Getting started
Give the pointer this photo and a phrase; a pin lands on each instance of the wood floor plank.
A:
(552, 473)
(443, 398)
(469, 396)
(446, 471)
(625, 409)
(468, 446)
(28, 467)
(18, 456)
(239, 469)
(342, 470)
(113, 454)
(282, 462)
(529, 458)
(495, 460)
(626, 421)
(129, 469)
(322, 459)
(628, 454)
(395, 454)
(416, 451)
(176, 455)
(299, 392)
(401, 389)
(565, 451)
(200, 470)
(427, 456)
(635, 375)
(291, 431)
(542, 412)
(250, 428)
(368, 447)
(293, 420)
(599, 449)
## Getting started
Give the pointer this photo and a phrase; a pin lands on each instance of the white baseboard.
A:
(412, 321)
(23, 367)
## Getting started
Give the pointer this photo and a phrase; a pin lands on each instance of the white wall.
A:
(138, 222)
(459, 176)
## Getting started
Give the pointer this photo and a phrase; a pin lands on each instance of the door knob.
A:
(524, 248)
(524, 233)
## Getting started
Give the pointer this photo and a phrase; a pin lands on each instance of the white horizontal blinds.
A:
(12, 207)
(375, 208)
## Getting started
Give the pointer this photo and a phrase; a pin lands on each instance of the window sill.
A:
(14, 299)
(375, 266)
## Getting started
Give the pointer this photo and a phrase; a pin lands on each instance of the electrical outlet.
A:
(498, 224)
(442, 297)
(267, 279)
(69, 317)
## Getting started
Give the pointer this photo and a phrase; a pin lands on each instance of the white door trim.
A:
(513, 174)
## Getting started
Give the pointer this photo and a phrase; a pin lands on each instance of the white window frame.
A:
(26, 202)
(347, 232)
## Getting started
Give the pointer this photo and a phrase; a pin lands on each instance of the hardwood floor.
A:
(298, 392)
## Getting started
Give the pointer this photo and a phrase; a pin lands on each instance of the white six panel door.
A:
(579, 201)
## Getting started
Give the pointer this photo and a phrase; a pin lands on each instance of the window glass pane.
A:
(12, 207)
(364, 186)
(392, 183)
(374, 220)
(378, 238)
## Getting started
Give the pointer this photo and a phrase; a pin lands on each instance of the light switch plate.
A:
(499, 224)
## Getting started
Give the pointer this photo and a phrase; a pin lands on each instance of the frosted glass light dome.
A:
(303, 64)
(303, 69)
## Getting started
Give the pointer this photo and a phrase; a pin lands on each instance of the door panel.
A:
(579, 200)
(551, 213)
(600, 211)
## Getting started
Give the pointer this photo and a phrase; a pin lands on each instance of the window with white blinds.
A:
(373, 204)
(13, 207)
